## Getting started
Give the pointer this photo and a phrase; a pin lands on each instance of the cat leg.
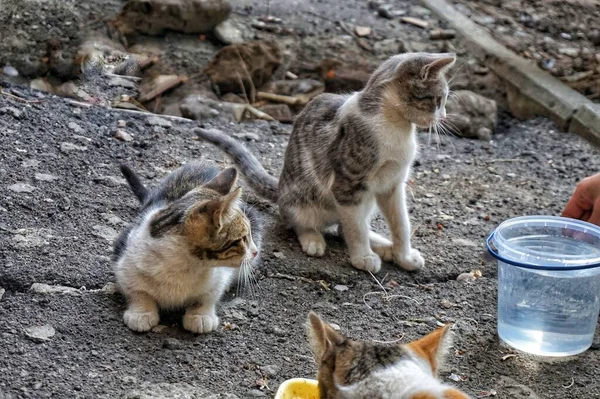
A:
(355, 228)
(312, 241)
(308, 223)
(393, 207)
(142, 312)
(379, 244)
(202, 317)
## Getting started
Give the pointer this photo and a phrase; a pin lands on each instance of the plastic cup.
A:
(298, 388)
(548, 283)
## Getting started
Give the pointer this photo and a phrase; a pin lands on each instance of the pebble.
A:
(467, 277)
(22, 188)
(247, 136)
(122, 135)
(106, 232)
(270, 371)
(121, 123)
(569, 51)
(45, 177)
(10, 71)
(41, 288)
(279, 255)
(76, 128)
(30, 163)
(109, 289)
(463, 242)
(227, 33)
(109, 181)
(362, 31)
(336, 327)
(158, 121)
(117, 81)
(14, 112)
(340, 287)
(280, 332)
(447, 304)
(70, 147)
(172, 343)
(40, 334)
(2, 291)
(159, 329)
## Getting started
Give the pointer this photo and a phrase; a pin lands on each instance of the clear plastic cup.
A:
(548, 283)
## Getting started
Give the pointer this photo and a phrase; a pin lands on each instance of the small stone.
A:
(340, 287)
(270, 371)
(40, 334)
(121, 123)
(30, 163)
(2, 291)
(14, 112)
(466, 277)
(109, 289)
(280, 332)
(70, 147)
(569, 51)
(256, 393)
(336, 327)
(41, 288)
(10, 71)
(362, 31)
(45, 177)
(76, 128)
(158, 121)
(247, 136)
(109, 181)
(279, 255)
(447, 304)
(37, 385)
(159, 329)
(117, 81)
(122, 135)
(106, 232)
(227, 33)
(22, 188)
(172, 343)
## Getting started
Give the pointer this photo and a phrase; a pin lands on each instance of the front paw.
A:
(414, 261)
(200, 324)
(140, 321)
(385, 252)
(369, 263)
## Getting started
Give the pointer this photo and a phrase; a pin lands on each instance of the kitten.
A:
(192, 238)
(349, 153)
(350, 369)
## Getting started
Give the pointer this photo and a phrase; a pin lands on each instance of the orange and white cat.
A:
(349, 369)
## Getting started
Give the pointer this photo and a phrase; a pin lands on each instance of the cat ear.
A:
(219, 208)
(433, 346)
(322, 337)
(224, 181)
(441, 63)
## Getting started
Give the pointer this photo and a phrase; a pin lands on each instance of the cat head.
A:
(212, 222)
(413, 87)
(357, 369)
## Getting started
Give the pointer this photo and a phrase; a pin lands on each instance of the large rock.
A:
(40, 37)
(244, 67)
(155, 17)
(472, 114)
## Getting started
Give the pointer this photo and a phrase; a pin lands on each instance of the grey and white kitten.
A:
(349, 153)
(193, 237)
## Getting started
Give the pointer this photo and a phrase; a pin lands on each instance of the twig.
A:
(132, 78)
(570, 385)
(141, 113)
(79, 104)
(242, 87)
(278, 98)
(258, 113)
(314, 14)
(19, 98)
(389, 342)
(415, 21)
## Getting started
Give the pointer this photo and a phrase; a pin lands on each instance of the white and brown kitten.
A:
(349, 369)
(350, 153)
(191, 240)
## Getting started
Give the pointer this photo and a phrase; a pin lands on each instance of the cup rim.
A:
(571, 262)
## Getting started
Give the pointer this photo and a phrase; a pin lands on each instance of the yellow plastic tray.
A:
(298, 388)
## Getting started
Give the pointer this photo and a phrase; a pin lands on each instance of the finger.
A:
(595, 217)
(573, 208)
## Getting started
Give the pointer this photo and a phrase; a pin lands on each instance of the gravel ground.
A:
(62, 205)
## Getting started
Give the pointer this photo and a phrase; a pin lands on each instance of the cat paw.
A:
(140, 321)
(414, 261)
(369, 263)
(200, 324)
(385, 252)
(313, 245)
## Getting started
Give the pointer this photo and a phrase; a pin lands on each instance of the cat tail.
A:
(257, 177)
(135, 183)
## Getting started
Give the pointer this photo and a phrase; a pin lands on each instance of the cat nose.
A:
(254, 253)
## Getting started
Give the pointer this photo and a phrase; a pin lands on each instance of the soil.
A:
(64, 201)
(562, 37)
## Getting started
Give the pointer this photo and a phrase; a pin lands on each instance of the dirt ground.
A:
(58, 231)
(63, 201)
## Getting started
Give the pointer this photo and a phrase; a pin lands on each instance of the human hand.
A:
(585, 201)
